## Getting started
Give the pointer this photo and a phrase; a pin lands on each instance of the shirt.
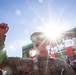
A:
(68, 42)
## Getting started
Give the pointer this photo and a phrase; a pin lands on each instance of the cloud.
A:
(15, 49)
(26, 32)
(12, 47)
(18, 12)
(34, 20)
(40, 28)
(41, 1)
(17, 44)
(23, 21)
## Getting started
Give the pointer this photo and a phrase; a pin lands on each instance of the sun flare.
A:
(53, 32)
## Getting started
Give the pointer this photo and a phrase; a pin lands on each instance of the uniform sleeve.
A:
(67, 70)
(2, 51)
(19, 66)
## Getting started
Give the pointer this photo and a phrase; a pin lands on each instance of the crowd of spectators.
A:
(68, 43)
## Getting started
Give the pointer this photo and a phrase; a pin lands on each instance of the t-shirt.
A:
(68, 42)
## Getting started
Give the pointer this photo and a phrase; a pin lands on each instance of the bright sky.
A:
(27, 16)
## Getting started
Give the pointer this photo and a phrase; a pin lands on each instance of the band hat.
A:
(37, 36)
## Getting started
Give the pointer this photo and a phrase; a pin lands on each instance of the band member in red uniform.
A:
(68, 44)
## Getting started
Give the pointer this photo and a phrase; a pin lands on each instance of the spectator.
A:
(32, 53)
(53, 51)
(68, 44)
(61, 46)
(74, 39)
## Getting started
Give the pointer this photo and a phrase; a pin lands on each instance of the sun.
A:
(53, 32)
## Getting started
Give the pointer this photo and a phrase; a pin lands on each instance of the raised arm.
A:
(3, 30)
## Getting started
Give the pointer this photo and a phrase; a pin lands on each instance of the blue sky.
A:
(27, 16)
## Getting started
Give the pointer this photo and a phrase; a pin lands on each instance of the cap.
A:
(37, 36)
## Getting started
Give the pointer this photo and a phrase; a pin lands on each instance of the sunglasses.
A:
(40, 37)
